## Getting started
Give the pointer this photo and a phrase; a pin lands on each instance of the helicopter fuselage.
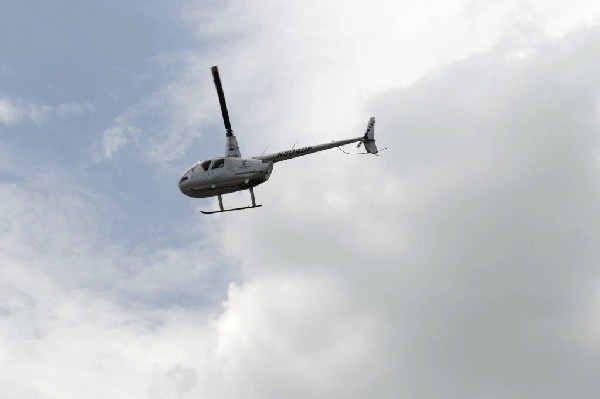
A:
(224, 175)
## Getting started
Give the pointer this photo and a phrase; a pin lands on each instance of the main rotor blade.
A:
(217, 79)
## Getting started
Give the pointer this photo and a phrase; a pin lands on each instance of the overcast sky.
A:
(462, 263)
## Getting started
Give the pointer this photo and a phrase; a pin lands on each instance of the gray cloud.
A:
(473, 239)
(507, 288)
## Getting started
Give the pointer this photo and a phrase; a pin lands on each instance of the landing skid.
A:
(229, 210)
(222, 209)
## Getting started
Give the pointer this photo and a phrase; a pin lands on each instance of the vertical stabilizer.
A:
(369, 137)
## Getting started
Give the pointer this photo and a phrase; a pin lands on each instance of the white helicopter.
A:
(231, 173)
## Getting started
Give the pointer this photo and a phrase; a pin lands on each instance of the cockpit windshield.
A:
(205, 165)
(218, 163)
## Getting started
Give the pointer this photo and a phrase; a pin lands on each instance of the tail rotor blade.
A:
(217, 79)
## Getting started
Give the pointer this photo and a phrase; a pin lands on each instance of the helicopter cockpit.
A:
(209, 164)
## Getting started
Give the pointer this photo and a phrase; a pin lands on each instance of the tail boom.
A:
(368, 139)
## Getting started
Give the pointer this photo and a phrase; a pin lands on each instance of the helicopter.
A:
(230, 173)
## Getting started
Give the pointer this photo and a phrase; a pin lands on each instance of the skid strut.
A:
(222, 209)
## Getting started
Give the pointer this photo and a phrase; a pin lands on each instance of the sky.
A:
(461, 263)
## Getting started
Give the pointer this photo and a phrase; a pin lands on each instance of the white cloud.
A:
(311, 69)
(118, 134)
(83, 315)
(9, 114)
(296, 335)
(13, 112)
(307, 73)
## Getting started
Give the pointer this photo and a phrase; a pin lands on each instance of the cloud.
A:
(83, 314)
(275, 77)
(13, 112)
(296, 335)
(73, 109)
(116, 136)
(461, 263)
(161, 126)
(9, 114)
(472, 238)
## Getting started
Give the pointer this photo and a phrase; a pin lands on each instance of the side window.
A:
(205, 164)
(218, 163)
